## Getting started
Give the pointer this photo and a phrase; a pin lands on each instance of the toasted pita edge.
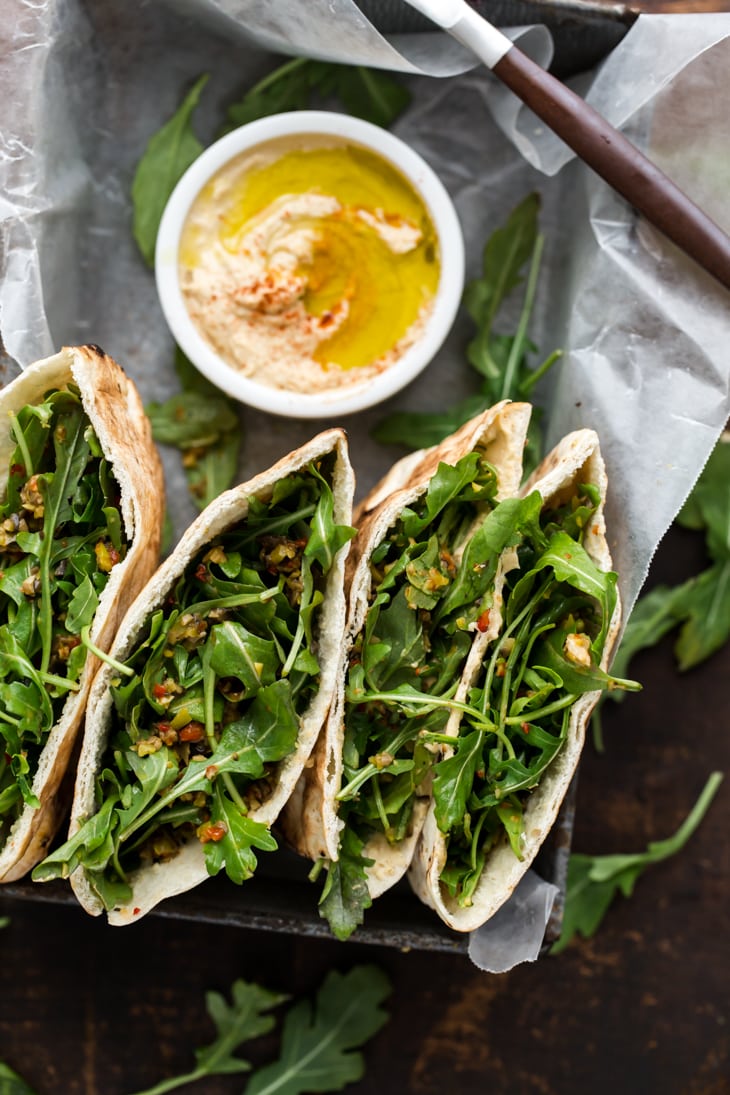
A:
(153, 884)
(115, 410)
(575, 459)
(311, 821)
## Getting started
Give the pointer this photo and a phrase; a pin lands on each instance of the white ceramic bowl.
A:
(355, 396)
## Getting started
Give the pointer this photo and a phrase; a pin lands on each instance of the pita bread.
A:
(575, 460)
(115, 411)
(310, 820)
(155, 882)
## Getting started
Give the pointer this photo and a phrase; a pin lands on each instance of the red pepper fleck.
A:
(17, 469)
(214, 831)
(137, 910)
(202, 573)
(192, 732)
(483, 621)
(525, 727)
(159, 691)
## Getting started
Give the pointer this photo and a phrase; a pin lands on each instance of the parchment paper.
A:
(84, 85)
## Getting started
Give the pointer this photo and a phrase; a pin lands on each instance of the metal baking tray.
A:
(280, 898)
(583, 31)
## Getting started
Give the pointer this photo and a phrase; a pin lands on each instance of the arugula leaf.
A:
(241, 1021)
(345, 895)
(242, 835)
(326, 538)
(703, 604)
(167, 157)
(500, 360)
(205, 426)
(700, 607)
(316, 1046)
(505, 254)
(213, 470)
(82, 607)
(454, 779)
(708, 506)
(91, 835)
(242, 654)
(594, 881)
(419, 430)
(653, 616)
(367, 93)
(190, 420)
(13, 1084)
(370, 94)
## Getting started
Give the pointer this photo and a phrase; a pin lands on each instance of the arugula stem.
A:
(103, 656)
(516, 351)
(273, 77)
(380, 807)
(209, 679)
(663, 849)
(59, 682)
(499, 641)
(426, 701)
(278, 524)
(549, 709)
(116, 864)
(371, 769)
(317, 868)
(21, 443)
(57, 495)
(307, 590)
(475, 840)
(193, 776)
(203, 607)
(537, 374)
(175, 1081)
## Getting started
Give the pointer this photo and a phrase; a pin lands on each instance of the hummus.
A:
(309, 265)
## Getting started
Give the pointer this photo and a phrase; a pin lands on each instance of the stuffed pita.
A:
(214, 691)
(511, 753)
(424, 578)
(79, 536)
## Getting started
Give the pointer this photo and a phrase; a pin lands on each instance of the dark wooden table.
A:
(641, 1007)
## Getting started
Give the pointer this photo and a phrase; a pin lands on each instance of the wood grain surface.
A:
(90, 1010)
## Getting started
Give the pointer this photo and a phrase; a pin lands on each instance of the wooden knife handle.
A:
(616, 160)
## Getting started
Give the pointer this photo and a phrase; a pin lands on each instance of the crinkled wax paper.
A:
(645, 332)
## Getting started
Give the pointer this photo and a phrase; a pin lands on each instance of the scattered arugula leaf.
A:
(699, 607)
(4, 921)
(317, 1046)
(241, 1021)
(594, 881)
(204, 424)
(500, 359)
(13, 1084)
(167, 157)
(367, 93)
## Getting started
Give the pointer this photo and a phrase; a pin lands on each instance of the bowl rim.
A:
(354, 396)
